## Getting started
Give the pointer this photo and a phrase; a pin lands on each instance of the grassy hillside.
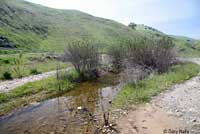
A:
(31, 27)
(185, 46)
(148, 31)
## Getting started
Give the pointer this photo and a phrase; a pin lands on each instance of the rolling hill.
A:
(31, 27)
(148, 31)
(185, 46)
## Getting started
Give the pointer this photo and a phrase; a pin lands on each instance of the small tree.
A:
(85, 58)
(132, 25)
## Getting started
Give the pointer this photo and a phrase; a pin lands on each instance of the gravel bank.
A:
(183, 101)
(177, 109)
(6, 86)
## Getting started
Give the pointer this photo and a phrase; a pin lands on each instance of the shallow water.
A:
(72, 113)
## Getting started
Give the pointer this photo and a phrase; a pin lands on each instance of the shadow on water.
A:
(75, 112)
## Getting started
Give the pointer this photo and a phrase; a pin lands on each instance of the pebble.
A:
(194, 120)
(34, 103)
(79, 108)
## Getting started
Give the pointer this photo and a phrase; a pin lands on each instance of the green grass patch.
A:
(153, 85)
(37, 91)
(32, 64)
(48, 85)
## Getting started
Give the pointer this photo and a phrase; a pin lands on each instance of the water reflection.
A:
(60, 115)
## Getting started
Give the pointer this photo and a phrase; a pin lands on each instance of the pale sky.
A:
(178, 17)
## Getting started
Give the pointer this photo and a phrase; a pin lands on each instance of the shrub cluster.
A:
(139, 54)
(84, 56)
(157, 55)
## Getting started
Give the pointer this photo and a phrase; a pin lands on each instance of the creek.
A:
(74, 112)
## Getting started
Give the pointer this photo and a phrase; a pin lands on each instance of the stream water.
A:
(74, 112)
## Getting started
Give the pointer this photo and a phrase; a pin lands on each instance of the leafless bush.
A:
(117, 55)
(132, 73)
(157, 54)
(85, 58)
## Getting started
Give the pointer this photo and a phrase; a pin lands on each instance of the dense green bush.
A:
(5, 60)
(7, 75)
(72, 76)
(34, 71)
(3, 97)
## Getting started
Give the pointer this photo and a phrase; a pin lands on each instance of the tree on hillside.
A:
(132, 25)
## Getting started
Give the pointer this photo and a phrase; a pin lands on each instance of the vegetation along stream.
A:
(77, 111)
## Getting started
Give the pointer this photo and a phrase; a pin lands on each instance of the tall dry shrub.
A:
(117, 55)
(155, 54)
(84, 56)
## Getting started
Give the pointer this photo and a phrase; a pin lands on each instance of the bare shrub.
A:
(117, 55)
(85, 58)
(157, 54)
(132, 73)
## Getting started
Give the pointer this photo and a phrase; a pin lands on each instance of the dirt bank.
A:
(149, 119)
(177, 110)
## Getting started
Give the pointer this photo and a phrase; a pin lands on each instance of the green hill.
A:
(185, 46)
(31, 27)
(149, 31)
